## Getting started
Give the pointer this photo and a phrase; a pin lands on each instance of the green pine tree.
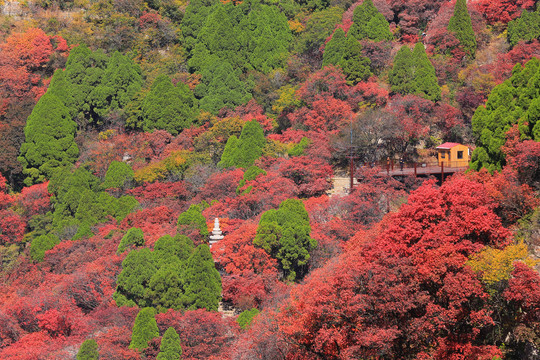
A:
(401, 75)
(167, 107)
(192, 219)
(243, 152)
(202, 281)
(88, 350)
(526, 27)
(334, 49)
(119, 174)
(355, 66)
(49, 140)
(133, 237)
(221, 87)
(194, 18)
(425, 83)
(41, 244)
(245, 319)
(132, 283)
(515, 101)
(285, 234)
(170, 348)
(369, 23)
(144, 329)
(460, 24)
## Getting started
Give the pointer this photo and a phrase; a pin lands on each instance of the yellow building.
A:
(453, 155)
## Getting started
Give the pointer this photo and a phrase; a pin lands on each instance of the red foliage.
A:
(220, 185)
(35, 200)
(203, 334)
(246, 291)
(252, 111)
(154, 222)
(237, 255)
(168, 194)
(502, 11)
(312, 176)
(521, 53)
(149, 20)
(393, 295)
(370, 93)
(326, 114)
(11, 224)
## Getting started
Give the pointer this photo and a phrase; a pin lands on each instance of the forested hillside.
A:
(127, 127)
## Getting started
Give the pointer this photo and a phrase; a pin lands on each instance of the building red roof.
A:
(447, 145)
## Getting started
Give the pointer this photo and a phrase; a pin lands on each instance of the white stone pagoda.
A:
(217, 234)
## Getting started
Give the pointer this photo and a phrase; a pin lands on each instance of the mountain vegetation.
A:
(127, 127)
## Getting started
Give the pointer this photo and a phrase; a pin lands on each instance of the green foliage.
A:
(250, 174)
(167, 107)
(460, 24)
(41, 244)
(133, 237)
(221, 87)
(515, 101)
(248, 36)
(132, 283)
(526, 27)
(298, 149)
(413, 73)
(202, 280)
(369, 23)
(285, 235)
(194, 18)
(49, 140)
(319, 27)
(155, 278)
(193, 218)
(144, 329)
(242, 152)
(94, 85)
(334, 49)
(88, 350)
(170, 348)
(355, 66)
(246, 317)
(79, 202)
(119, 174)
(401, 76)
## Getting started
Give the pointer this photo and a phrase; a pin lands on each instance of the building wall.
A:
(451, 159)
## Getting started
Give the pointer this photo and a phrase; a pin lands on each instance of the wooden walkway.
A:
(423, 171)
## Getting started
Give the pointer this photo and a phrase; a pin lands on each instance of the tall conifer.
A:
(460, 24)
(144, 329)
(170, 348)
(333, 52)
(88, 350)
(203, 282)
(355, 66)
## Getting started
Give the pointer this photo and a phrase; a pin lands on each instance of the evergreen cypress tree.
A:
(119, 174)
(244, 151)
(221, 87)
(285, 235)
(134, 236)
(378, 29)
(369, 23)
(202, 281)
(132, 283)
(193, 219)
(167, 107)
(425, 83)
(526, 27)
(41, 244)
(460, 24)
(194, 18)
(49, 140)
(401, 75)
(170, 348)
(88, 350)
(334, 49)
(362, 14)
(515, 101)
(354, 65)
(144, 329)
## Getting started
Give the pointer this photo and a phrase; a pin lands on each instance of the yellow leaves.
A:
(287, 98)
(496, 265)
(274, 148)
(104, 135)
(296, 26)
(176, 163)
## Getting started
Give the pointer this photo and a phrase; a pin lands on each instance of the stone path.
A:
(341, 186)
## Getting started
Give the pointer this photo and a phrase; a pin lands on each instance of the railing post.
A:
(442, 172)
